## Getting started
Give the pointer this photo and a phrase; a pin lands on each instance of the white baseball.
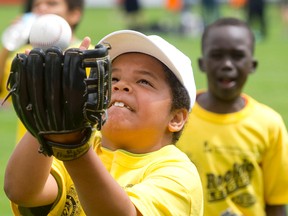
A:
(50, 30)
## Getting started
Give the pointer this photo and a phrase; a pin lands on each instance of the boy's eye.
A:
(216, 55)
(144, 82)
(114, 80)
(238, 55)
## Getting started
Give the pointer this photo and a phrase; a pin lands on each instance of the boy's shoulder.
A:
(263, 110)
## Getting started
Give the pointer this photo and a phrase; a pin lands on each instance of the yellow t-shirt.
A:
(160, 183)
(241, 158)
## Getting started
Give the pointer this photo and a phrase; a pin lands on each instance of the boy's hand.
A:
(56, 100)
(85, 43)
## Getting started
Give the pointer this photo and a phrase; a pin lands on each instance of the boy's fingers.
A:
(85, 43)
(27, 51)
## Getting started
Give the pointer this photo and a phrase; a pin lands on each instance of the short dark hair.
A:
(75, 4)
(180, 97)
(72, 4)
(227, 21)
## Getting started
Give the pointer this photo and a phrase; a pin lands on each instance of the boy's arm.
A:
(275, 210)
(28, 182)
(98, 192)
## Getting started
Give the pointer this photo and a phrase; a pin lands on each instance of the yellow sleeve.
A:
(169, 190)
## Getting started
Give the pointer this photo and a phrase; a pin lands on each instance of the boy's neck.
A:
(213, 104)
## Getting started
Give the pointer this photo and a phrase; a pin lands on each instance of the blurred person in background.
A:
(133, 15)
(210, 11)
(238, 144)
(70, 10)
(256, 17)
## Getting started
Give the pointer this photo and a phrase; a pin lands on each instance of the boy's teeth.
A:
(119, 104)
(122, 105)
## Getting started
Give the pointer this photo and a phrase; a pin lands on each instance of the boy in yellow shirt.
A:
(134, 167)
(239, 145)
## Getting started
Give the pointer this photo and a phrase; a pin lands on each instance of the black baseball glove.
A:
(56, 94)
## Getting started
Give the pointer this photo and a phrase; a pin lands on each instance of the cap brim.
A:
(125, 41)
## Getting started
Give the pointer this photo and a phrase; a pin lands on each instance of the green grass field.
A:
(269, 84)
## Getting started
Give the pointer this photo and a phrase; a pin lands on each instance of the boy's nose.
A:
(122, 86)
(228, 62)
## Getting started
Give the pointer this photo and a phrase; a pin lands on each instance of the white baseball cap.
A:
(125, 41)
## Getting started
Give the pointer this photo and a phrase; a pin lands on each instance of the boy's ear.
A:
(178, 120)
(201, 64)
(254, 65)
